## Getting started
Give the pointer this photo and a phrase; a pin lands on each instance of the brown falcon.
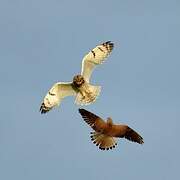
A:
(80, 87)
(105, 133)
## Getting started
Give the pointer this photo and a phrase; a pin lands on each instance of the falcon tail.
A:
(89, 95)
(104, 142)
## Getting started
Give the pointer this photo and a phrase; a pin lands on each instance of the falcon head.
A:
(78, 81)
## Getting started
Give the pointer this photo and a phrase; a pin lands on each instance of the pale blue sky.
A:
(42, 42)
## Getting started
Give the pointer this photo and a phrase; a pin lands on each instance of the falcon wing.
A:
(126, 132)
(95, 57)
(93, 120)
(55, 95)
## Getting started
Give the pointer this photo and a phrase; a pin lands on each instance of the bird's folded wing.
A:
(93, 120)
(126, 132)
(56, 94)
(95, 57)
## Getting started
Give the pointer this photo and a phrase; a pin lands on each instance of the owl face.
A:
(78, 81)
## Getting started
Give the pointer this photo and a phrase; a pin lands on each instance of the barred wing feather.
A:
(54, 96)
(95, 57)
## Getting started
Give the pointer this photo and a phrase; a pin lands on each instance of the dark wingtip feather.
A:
(141, 140)
(43, 109)
(80, 110)
(83, 112)
(108, 45)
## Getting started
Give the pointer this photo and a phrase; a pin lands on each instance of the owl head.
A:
(78, 80)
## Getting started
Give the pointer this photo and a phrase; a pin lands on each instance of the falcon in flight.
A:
(80, 86)
(105, 133)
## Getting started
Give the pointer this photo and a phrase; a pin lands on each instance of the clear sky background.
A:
(42, 42)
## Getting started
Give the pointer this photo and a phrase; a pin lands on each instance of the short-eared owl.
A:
(80, 87)
(105, 133)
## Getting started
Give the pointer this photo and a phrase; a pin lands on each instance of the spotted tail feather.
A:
(102, 141)
(89, 96)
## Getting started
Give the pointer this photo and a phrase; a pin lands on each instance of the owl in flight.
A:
(105, 133)
(80, 86)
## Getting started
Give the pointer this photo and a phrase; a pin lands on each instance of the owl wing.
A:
(95, 57)
(93, 120)
(126, 132)
(54, 96)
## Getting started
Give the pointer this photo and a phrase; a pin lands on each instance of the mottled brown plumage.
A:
(106, 132)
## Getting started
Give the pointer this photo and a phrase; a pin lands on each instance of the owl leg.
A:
(83, 94)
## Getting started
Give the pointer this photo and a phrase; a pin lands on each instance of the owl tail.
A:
(88, 94)
(104, 142)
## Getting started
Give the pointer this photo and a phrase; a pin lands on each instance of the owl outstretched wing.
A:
(54, 96)
(95, 57)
